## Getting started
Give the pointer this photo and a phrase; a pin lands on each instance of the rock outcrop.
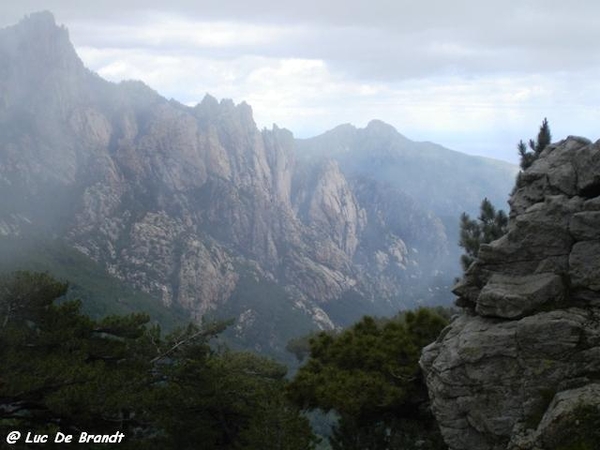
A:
(520, 369)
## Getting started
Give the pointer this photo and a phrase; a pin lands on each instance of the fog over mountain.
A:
(473, 76)
(199, 208)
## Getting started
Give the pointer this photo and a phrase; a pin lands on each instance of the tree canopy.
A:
(62, 371)
(369, 375)
(487, 227)
(544, 138)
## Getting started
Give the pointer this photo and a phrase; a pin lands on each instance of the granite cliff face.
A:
(521, 368)
(185, 203)
(196, 205)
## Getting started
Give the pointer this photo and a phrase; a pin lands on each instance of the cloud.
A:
(473, 75)
(379, 39)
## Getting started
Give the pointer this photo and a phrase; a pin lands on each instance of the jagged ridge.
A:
(185, 202)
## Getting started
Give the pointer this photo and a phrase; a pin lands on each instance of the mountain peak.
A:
(38, 40)
(379, 124)
(38, 61)
(39, 18)
(379, 127)
(342, 132)
(210, 109)
(41, 26)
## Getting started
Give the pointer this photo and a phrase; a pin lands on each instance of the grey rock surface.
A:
(514, 296)
(512, 371)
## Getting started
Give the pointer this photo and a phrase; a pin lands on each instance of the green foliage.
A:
(60, 368)
(544, 139)
(369, 375)
(300, 346)
(489, 226)
(63, 371)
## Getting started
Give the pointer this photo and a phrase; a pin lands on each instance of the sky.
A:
(471, 75)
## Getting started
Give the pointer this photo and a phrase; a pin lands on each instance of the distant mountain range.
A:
(198, 208)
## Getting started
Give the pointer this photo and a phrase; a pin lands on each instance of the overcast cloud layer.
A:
(471, 75)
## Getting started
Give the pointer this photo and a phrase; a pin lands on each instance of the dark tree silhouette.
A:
(487, 227)
(536, 147)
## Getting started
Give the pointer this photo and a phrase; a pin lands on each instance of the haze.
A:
(472, 76)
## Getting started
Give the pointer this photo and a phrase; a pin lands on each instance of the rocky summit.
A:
(520, 369)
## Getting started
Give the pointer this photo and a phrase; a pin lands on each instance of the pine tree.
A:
(63, 371)
(489, 226)
(369, 375)
(544, 138)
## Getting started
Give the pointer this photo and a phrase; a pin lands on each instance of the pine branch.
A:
(202, 333)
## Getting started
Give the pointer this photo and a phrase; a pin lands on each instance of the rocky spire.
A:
(41, 72)
(37, 40)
